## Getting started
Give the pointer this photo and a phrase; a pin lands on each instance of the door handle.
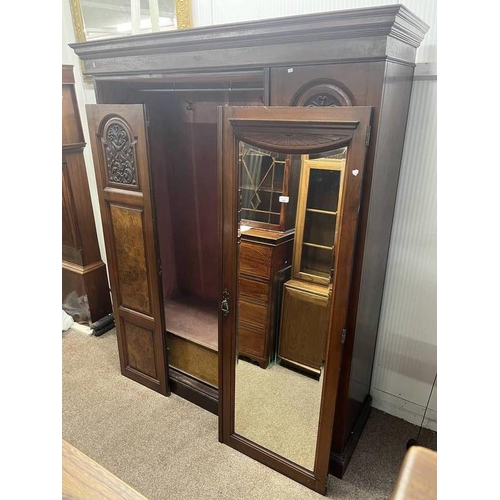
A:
(224, 305)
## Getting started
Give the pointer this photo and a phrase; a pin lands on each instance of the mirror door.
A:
(291, 186)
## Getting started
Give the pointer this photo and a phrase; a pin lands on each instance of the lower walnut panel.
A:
(194, 359)
(140, 352)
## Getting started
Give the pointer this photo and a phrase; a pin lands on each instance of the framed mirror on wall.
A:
(99, 19)
(280, 410)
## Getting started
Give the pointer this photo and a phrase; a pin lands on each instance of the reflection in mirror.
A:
(111, 18)
(262, 183)
(290, 206)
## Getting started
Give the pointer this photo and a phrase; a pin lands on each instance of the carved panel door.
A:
(120, 150)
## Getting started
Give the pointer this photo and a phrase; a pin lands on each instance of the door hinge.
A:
(368, 134)
(342, 338)
(160, 268)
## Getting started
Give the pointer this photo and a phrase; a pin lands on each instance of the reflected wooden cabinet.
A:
(302, 337)
(304, 323)
(264, 258)
(166, 200)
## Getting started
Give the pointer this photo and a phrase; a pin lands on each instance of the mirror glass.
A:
(289, 210)
(112, 18)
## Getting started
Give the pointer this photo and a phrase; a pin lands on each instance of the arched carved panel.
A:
(119, 153)
(322, 93)
(293, 142)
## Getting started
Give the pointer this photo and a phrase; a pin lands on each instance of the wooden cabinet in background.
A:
(264, 258)
(84, 279)
(302, 339)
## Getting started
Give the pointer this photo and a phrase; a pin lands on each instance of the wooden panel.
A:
(194, 359)
(253, 289)
(140, 348)
(251, 340)
(83, 479)
(71, 127)
(128, 233)
(127, 210)
(255, 259)
(253, 314)
(69, 232)
(304, 322)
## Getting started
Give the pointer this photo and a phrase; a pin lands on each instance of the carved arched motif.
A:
(322, 93)
(293, 142)
(119, 152)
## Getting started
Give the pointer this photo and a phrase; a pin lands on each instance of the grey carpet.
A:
(278, 408)
(167, 448)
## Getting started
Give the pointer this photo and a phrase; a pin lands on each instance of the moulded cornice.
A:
(394, 21)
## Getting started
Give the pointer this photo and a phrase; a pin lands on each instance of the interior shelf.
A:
(317, 211)
(193, 319)
(314, 245)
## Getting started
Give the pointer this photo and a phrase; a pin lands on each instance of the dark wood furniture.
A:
(264, 259)
(166, 87)
(84, 479)
(304, 324)
(302, 339)
(291, 130)
(417, 479)
(83, 271)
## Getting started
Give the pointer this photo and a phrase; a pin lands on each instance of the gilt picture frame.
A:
(183, 20)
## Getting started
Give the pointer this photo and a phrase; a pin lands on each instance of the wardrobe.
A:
(208, 144)
(85, 289)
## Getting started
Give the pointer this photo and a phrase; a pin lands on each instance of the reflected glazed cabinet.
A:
(155, 141)
(302, 338)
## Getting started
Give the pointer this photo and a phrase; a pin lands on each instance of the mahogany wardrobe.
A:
(247, 178)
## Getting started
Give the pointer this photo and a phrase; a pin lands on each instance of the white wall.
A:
(405, 360)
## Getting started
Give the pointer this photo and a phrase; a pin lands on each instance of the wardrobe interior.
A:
(182, 133)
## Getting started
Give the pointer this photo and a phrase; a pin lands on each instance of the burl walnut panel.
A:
(140, 348)
(128, 230)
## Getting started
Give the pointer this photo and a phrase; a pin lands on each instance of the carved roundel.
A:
(119, 153)
(322, 93)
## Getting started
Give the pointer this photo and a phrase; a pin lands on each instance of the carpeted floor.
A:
(278, 408)
(167, 448)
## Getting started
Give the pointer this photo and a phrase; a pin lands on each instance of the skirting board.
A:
(406, 410)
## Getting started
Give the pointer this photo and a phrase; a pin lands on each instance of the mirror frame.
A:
(291, 130)
(183, 14)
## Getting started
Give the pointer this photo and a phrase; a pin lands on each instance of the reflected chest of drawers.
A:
(264, 263)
